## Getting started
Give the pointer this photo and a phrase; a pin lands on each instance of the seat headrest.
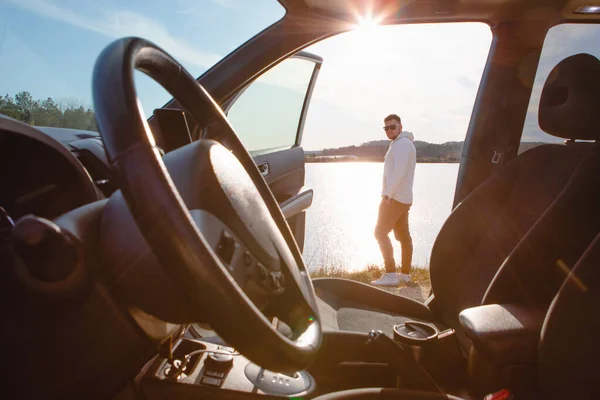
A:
(570, 102)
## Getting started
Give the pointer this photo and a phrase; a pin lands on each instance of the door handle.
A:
(263, 168)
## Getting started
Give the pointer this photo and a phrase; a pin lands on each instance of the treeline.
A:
(49, 112)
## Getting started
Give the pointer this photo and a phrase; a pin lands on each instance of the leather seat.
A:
(534, 216)
(568, 350)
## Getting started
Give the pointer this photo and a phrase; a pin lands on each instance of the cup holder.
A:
(415, 333)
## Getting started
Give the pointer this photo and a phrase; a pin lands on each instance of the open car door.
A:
(268, 115)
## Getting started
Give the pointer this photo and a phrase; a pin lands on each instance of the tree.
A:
(47, 114)
(26, 105)
(66, 113)
(9, 108)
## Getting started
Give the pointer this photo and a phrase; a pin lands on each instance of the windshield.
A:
(48, 48)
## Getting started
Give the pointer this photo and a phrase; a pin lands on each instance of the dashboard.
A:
(48, 171)
(39, 175)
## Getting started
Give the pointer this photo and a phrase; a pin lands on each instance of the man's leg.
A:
(385, 224)
(402, 234)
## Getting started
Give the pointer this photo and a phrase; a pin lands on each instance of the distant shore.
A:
(330, 159)
(374, 151)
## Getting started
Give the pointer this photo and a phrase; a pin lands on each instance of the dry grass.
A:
(418, 289)
(419, 276)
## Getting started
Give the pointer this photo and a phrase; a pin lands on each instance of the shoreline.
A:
(342, 159)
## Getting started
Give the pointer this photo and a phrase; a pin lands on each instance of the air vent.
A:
(99, 172)
(86, 136)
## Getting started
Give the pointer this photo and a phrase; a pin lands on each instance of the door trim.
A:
(309, 92)
(298, 203)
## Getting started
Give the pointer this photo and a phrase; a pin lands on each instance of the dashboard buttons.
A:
(226, 248)
(263, 274)
(277, 281)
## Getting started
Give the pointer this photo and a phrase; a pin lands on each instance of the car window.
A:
(561, 42)
(266, 116)
(48, 48)
(427, 74)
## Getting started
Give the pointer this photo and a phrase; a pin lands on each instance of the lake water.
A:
(340, 223)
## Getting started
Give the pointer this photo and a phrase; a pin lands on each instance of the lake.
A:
(340, 223)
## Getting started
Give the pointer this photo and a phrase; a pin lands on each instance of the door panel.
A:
(268, 115)
(285, 171)
(286, 180)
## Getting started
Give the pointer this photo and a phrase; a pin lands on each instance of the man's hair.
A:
(392, 117)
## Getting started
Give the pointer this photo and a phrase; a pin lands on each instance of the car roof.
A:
(488, 11)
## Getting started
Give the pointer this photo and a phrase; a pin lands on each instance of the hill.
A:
(448, 152)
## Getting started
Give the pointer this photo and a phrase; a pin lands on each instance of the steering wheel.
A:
(208, 215)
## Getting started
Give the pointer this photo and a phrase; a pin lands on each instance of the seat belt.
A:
(500, 142)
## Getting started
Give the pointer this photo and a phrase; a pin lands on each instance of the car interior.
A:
(162, 258)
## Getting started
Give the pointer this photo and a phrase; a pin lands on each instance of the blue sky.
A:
(48, 47)
(428, 74)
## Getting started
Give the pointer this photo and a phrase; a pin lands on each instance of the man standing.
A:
(397, 197)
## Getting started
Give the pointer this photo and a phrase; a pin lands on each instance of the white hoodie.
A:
(399, 169)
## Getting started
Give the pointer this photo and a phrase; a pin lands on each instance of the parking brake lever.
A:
(400, 358)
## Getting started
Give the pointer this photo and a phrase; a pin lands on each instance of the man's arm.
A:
(400, 158)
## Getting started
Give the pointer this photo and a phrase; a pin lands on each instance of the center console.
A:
(198, 368)
(504, 341)
(421, 355)
(434, 348)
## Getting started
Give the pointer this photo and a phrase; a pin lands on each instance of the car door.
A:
(268, 115)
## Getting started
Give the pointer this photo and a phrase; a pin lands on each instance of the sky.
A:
(428, 74)
(48, 47)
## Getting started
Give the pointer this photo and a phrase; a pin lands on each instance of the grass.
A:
(419, 276)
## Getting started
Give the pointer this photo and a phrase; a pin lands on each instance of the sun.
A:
(366, 34)
(367, 22)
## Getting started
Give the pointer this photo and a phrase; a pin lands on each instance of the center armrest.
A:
(505, 334)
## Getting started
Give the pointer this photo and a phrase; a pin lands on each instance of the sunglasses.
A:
(390, 127)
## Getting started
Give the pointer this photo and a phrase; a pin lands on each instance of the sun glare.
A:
(365, 34)
(367, 21)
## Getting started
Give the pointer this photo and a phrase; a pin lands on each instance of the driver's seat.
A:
(568, 349)
(485, 229)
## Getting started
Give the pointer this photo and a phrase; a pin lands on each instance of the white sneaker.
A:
(389, 279)
(404, 278)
